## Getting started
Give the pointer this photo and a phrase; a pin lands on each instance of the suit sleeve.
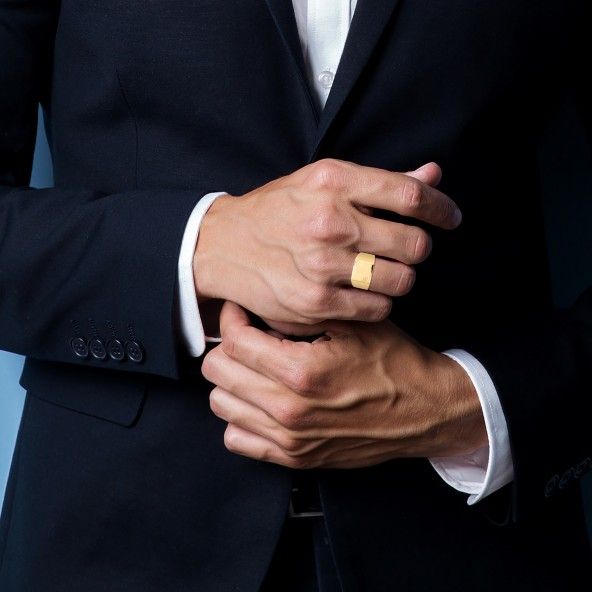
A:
(84, 274)
(542, 372)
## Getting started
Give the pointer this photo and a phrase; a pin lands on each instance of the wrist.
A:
(211, 241)
(463, 420)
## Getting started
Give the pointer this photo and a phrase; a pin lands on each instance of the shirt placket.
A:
(327, 27)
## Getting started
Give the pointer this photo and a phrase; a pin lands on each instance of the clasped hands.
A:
(363, 392)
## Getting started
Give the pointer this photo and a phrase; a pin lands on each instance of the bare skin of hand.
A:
(361, 395)
(285, 251)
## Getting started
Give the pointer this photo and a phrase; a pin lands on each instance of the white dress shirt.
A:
(323, 26)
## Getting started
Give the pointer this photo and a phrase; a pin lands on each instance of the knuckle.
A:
(214, 403)
(326, 174)
(208, 365)
(315, 301)
(298, 462)
(319, 266)
(381, 310)
(382, 184)
(231, 439)
(266, 455)
(291, 444)
(300, 379)
(412, 195)
(308, 321)
(326, 224)
(231, 339)
(420, 246)
(406, 281)
(292, 416)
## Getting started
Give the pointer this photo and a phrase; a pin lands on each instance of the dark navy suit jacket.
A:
(120, 479)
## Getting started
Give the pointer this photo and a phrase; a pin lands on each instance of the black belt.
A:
(305, 501)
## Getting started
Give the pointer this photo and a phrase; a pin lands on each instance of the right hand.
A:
(285, 251)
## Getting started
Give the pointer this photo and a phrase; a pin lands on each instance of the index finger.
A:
(232, 315)
(273, 357)
(407, 196)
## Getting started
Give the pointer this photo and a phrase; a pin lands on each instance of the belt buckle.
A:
(303, 507)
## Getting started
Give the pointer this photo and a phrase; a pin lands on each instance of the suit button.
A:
(79, 347)
(97, 349)
(116, 350)
(134, 351)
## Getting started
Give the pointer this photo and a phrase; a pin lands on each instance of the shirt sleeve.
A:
(489, 468)
(192, 330)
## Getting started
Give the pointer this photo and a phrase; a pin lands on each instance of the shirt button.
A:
(134, 351)
(97, 349)
(325, 78)
(116, 350)
(79, 347)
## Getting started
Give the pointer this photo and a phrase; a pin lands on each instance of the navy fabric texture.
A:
(121, 480)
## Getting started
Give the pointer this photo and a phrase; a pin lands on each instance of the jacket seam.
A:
(134, 119)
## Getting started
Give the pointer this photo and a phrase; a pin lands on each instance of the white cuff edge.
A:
(190, 320)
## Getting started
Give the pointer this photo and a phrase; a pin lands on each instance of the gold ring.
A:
(361, 275)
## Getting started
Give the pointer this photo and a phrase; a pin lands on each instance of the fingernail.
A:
(457, 217)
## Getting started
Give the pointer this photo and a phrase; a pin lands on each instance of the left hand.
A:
(363, 394)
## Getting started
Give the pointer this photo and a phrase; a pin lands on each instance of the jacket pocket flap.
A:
(107, 394)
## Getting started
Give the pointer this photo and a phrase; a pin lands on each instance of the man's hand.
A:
(361, 395)
(286, 251)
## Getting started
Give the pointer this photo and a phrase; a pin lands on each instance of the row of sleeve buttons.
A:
(115, 349)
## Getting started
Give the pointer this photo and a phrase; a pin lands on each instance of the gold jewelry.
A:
(361, 275)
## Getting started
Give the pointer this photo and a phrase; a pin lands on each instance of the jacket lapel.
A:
(368, 23)
(282, 12)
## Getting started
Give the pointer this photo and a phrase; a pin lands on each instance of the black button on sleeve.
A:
(97, 349)
(134, 351)
(79, 347)
(116, 350)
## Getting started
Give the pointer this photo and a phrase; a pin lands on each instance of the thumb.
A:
(430, 174)
(233, 315)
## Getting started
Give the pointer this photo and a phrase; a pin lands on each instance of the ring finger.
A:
(401, 242)
(391, 278)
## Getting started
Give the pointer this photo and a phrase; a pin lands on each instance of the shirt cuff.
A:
(489, 468)
(192, 330)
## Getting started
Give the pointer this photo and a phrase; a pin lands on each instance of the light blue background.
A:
(12, 395)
